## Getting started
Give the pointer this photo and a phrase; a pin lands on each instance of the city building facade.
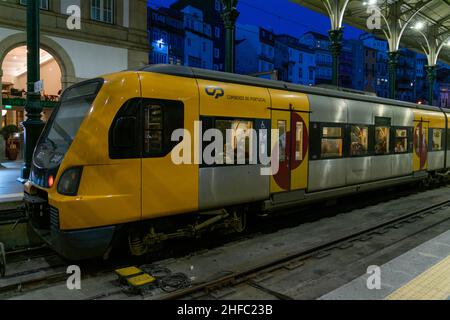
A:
(255, 50)
(321, 45)
(212, 10)
(198, 44)
(113, 37)
(295, 62)
(166, 36)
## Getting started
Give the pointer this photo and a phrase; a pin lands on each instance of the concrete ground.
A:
(422, 273)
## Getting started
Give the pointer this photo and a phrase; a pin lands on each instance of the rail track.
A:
(298, 258)
(55, 272)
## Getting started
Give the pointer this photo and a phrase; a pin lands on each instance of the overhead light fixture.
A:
(370, 3)
(419, 25)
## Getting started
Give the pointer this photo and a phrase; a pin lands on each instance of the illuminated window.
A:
(331, 145)
(401, 141)
(359, 140)
(299, 141)
(382, 140)
(282, 140)
(237, 135)
(436, 139)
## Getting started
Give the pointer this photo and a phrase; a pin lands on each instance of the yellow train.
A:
(104, 170)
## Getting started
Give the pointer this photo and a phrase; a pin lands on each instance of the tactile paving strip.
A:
(433, 284)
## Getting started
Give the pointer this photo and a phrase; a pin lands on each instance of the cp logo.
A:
(215, 91)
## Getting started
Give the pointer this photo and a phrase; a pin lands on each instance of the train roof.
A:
(188, 72)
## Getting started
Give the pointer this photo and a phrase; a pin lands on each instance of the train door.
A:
(292, 150)
(169, 179)
(281, 180)
(299, 150)
(420, 145)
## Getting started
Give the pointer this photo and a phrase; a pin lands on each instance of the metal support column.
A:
(431, 75)
(33, 125)
(336, 37)
(229, 16)
(392, 65)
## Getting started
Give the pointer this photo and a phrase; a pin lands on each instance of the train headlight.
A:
(69, 182)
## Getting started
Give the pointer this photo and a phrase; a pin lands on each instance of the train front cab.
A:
(77, 194)
(121, 156)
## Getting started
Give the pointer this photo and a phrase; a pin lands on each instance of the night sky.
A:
(282, 16)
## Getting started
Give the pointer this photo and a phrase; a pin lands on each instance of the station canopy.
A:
(431, 12)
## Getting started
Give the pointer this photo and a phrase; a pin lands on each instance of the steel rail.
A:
(244, 275)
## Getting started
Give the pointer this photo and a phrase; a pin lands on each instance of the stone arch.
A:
(68, 76)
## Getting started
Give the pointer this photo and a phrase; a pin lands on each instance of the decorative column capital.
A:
(336, 36)
(230, 17)
(393, 59)
(431, 72)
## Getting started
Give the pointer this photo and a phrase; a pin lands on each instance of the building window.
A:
(43, 4)
(332, 141)
(194, 62)
(217, 32)
(102, 10)
(218, 5)
(189, 42)
(216, 53)
(204, 46)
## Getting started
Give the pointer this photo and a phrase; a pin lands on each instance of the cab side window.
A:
(124, 132)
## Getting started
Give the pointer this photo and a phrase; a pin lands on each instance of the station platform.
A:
(11, 190)
(422, 273)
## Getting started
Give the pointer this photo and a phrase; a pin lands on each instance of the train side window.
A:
(161, 118)
(382, 135)
(298, 141)
(359, 138)
(401, 140)
(331, 142)
(436, 139)
(382, 140)
(281, 140)
(238, 149)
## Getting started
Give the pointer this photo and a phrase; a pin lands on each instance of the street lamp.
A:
(229, 16)
(33, 125)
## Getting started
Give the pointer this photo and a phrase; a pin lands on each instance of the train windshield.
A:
(64, 123)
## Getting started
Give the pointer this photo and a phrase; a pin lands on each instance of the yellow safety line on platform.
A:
(433, 284)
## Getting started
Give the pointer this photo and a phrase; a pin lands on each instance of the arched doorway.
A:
(14, 84)
(55, 59)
